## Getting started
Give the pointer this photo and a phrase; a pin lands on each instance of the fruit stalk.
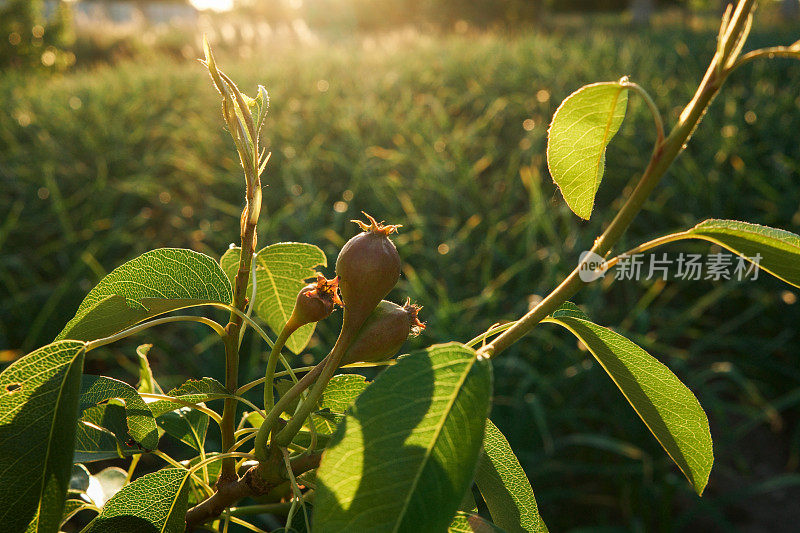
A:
(380, 337)
(262, 436)
(368, 267)
(314, 302)
(328, 367)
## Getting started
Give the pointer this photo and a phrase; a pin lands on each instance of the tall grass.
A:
(446, 135)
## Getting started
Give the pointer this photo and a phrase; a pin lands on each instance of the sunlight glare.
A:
(216, 5)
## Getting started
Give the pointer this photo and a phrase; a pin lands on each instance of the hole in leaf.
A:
(13, 387)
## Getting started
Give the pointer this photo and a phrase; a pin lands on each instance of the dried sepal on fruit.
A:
(315, 302)
(413, 310)
(377, 227)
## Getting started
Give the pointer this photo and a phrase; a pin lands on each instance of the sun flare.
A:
(216, 5)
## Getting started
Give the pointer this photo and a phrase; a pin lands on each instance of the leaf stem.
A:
(298, 495)
(272, 362)
(494, 330)
(363, 364)
(653, 110)
(210, 412)
(240, 442)
(244, 431)
(223, 456)
(266, 508)
(274, 413)
(216, 326)
(792, 52)
(250, 322)
(648, 246)
(145, 325)
(196, 405)
(132, 467)
(253, 291)
(246, 525)
(172, 462)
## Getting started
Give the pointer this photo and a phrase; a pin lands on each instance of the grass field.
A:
(446, 136)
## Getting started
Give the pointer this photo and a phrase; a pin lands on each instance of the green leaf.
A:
(187, 425)
(468, 503)
(339, 394)
(582, 127)
(193, 391)
(102, 433)
(406, 452)
(209, 471)
(71, 508)
(505, 487)
(147, 382)
(79, 478)
(156, 282)
(298, 523)
(324, 429)
(155, 502)
(254, 419)
(212, 67)
(140, 421)
(569, 310)
(280, 273)
(38, 410)
(465, 522)
(262, 107)
(666, 406)
(779, 249)
(342, 391)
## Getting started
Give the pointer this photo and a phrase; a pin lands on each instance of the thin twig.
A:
(659, 124)
(158, 321)
(660, 161)
(792, 52)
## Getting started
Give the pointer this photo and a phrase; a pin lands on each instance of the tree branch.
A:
(258, 480)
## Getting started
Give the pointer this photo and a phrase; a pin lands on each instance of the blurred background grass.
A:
(443, 132)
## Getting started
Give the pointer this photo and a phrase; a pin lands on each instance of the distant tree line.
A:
(31, 38)
(377, 14)
(143, 1)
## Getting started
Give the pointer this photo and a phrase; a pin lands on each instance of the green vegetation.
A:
(448, 135)
(29, 39)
